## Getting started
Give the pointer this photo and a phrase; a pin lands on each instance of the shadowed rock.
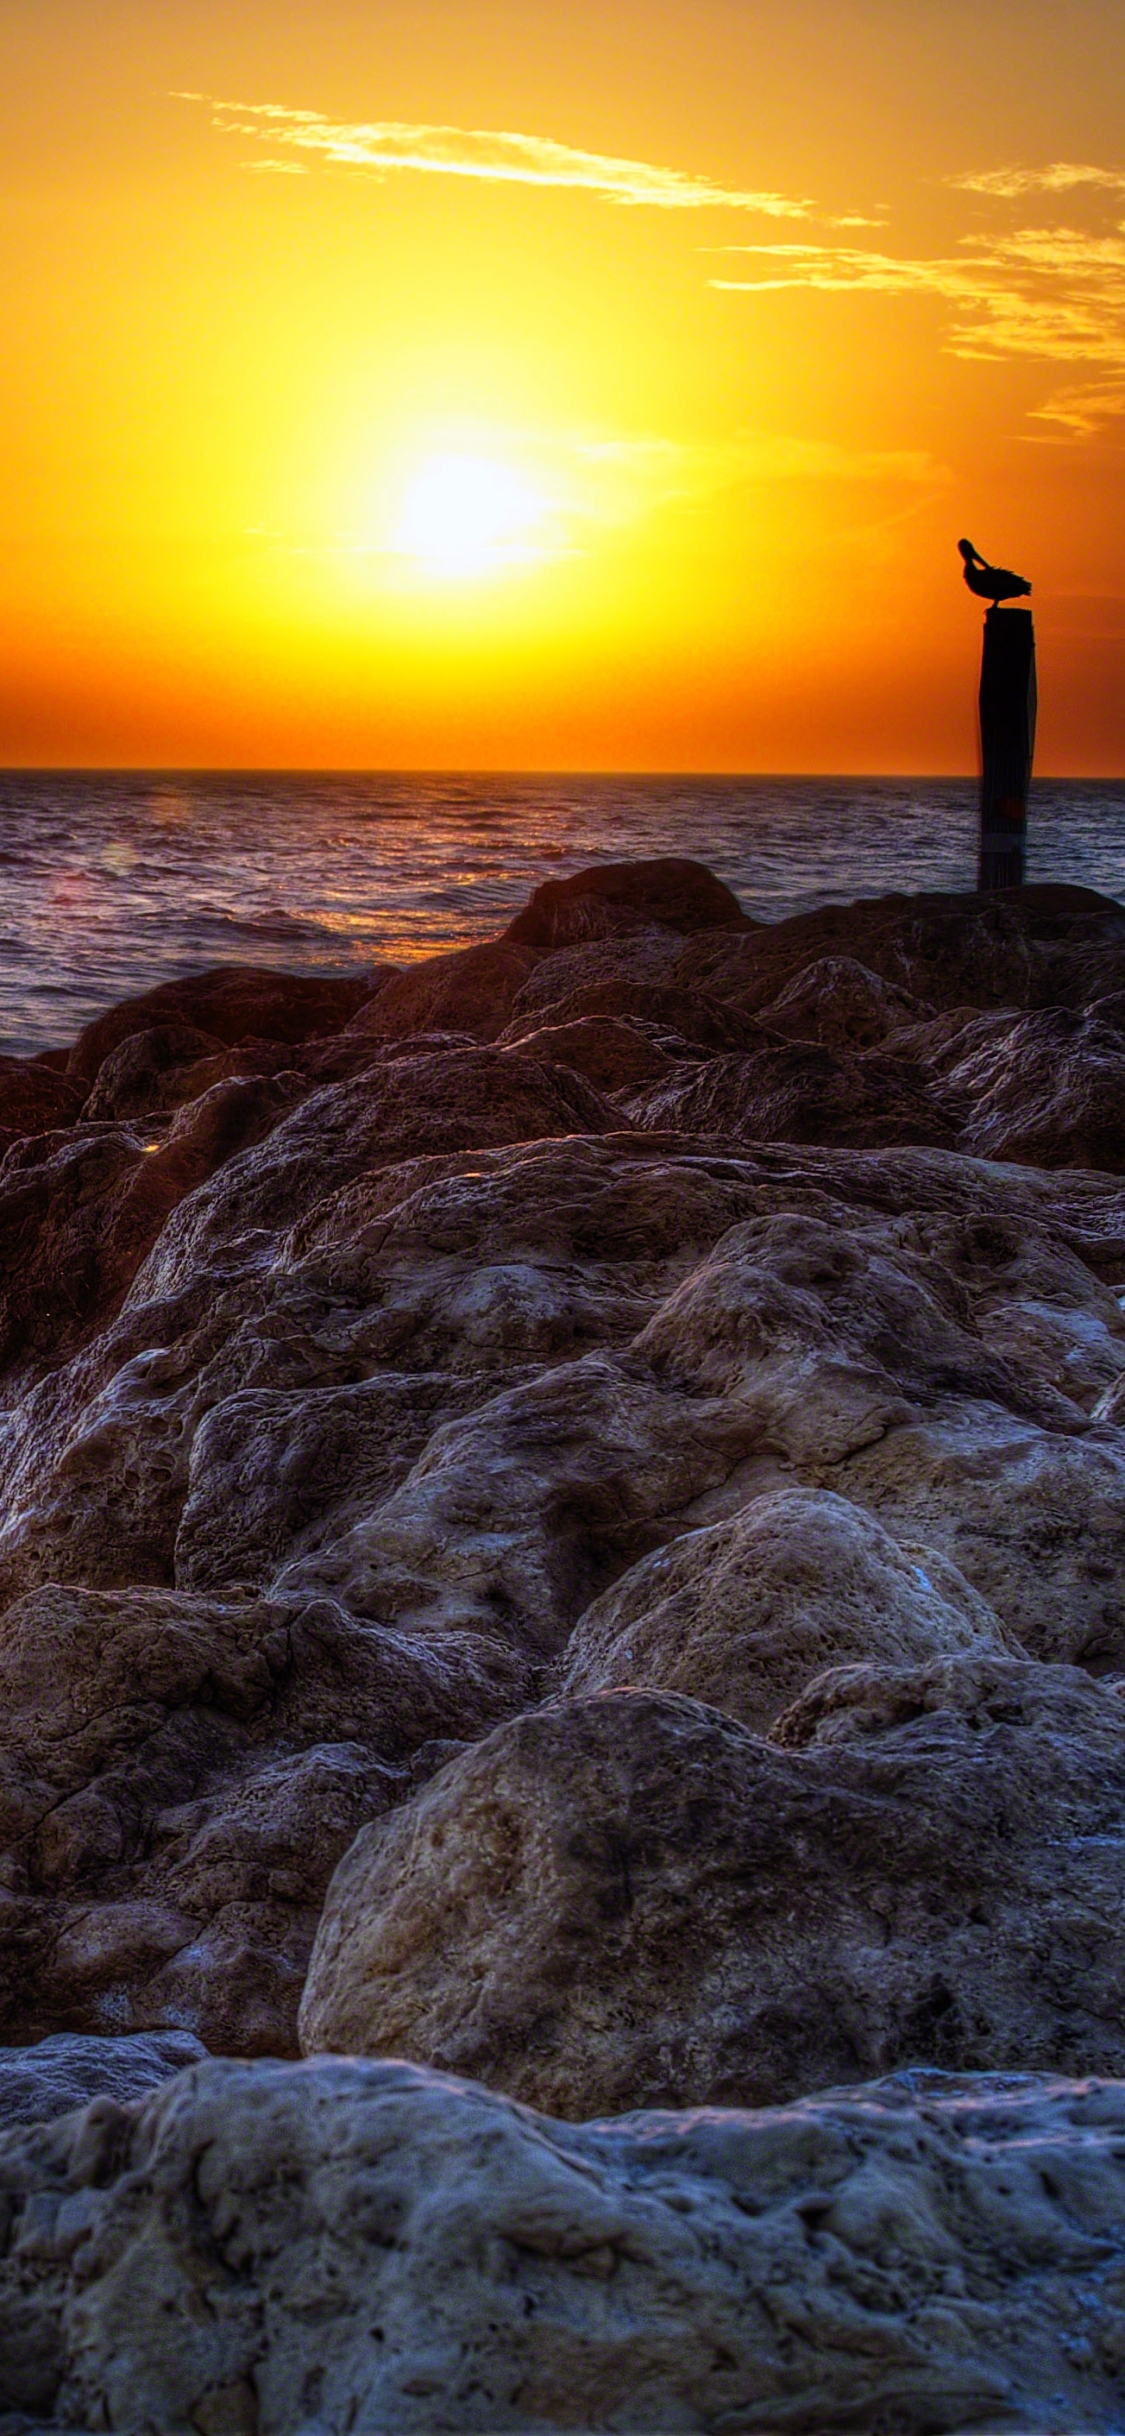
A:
(685, 1015)
(33, 1099)
(1051, 1093)
(915, 2254)
(613, 1055)
(615, 898)
(643, 957)
(630, 1901)
(230, 1002)
(838, 1002)
(63, 2073)
(472, 990)
(80, 1211)
(1036, 946)
(178, 1777)
(797, 1091)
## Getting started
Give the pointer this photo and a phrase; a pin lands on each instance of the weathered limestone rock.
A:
(178, 1778)
(631, 1901)
(641, 956)
(371, 2250)
(798, 1091)
(613, 1055)
(80, 1211)
(1051, 1094)
(612, 899)
(146, 1071)
(745, 1614)
(63, 2073)
(683, 1015)
(469, 1099)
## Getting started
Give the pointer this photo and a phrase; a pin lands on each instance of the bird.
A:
(990, 583)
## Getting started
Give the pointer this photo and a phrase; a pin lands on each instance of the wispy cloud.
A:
(1052, 293)
(1058, 178)
(495, 155)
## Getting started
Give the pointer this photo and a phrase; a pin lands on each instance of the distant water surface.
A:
(111, 882)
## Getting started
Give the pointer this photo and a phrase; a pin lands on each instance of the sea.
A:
(113, 881)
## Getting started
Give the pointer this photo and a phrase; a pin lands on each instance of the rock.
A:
(472, 990)
(630, 1901)
(79, 1212)
(178, 1778)
(1051, 1093)
(61, 2073)
(613, 1055)
(144, 1072)
(642, 957)
(921, 2253)
(437, 1103)
(745, 1614)
(1032, 1518)
(611, 899)
(797, 1091)
(33, 1099)
(841, 1004)
(229, 1002)
(681, 1015)
(1037, 946)
(515, 1517)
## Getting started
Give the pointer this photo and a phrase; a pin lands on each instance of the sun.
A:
(464, 515)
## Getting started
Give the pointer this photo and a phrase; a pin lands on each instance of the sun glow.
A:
(465, 515)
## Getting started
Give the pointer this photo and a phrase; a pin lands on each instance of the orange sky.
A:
(589, 386)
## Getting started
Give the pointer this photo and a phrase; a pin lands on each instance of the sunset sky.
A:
(571, 384)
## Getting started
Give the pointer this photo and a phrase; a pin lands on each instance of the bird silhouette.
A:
(990, 583)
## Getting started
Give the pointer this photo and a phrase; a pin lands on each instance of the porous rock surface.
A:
(631, 1900)
(366, 2249)
(744, 1614)
(587, 1478)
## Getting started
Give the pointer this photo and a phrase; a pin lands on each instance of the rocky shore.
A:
(562, 1683)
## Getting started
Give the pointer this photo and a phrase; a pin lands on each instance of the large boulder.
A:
(80, 1211)
(838, 1002)
(630, 1901)
(365, 2247)
(230, 1002)
(615, 1056)
(798, 1091)
(471, 990)
(742, 1615)
(635, 957)
(611, 899)
(684, 1015)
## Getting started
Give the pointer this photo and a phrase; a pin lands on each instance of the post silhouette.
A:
(1007, 745)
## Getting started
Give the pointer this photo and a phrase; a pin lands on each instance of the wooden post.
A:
(1007, 742)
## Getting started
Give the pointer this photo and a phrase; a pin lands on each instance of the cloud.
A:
(1052, 293)
(1059, 177)
(494, 155)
